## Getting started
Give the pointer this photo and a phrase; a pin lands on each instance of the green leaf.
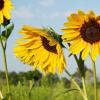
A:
(7, 32)
(64, 92)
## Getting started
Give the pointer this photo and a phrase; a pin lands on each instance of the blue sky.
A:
(46, 13)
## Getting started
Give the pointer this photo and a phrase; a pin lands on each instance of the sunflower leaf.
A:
(64, 92)
(7, 32)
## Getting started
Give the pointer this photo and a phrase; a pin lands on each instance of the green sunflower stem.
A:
(76, 84)
(80, 64)
(5, 65)
(84, 88)
(95, 80)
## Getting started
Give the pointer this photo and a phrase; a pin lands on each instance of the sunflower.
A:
(39, 48)
(5, 9)
(82, 31)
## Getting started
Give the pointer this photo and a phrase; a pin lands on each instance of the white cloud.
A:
(47, 3)
(57, 15)
(23, 12)
(63, 14)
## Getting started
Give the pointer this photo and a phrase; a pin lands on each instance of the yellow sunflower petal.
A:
(61, 64)
(52, 42)
(29, 57)
(50, 66)
(77, 18)
(69, 36)
(77, 46)
(80, 12)
(5, 10)
(1, 17)
(91, 14)
(43, 57)
(6, 14)
(73, 26)
(86, 51)
(36, 49)
(19, 52)
(71, 23)
(54, 63)
(37, 55)
(48, 62)
(95, 51)
(99, 47)
(98, 18)
(83, 15)
(30, 44)
(29, 28)
(67, 30)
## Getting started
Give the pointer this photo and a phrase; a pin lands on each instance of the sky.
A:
(45, 13)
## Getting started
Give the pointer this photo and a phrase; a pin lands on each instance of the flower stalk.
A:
(5, 64)
(84, 88)
(81, 68)
(95, 80)
(80, 64)
(75, 83)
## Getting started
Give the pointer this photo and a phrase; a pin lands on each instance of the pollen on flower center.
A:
(1, 4)
(46, 45)
(90, 31)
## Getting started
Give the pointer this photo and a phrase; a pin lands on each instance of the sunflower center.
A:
(90, 31)
(1, 4)
(46, 45)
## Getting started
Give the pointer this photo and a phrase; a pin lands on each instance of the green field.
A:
(20, 92)
(46, 88)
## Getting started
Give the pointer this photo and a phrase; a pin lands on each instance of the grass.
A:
(21, 92)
